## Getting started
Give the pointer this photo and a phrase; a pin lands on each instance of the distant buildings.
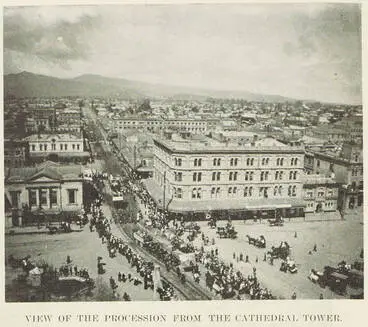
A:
(48, 189)
(181, 125)
(16, 153)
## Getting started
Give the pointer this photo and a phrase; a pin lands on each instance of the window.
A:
(275, 191)
(53, 197)
(213, 192)
(66, 146)
(278, 161)
(45, 147)
(32, 198)
(61, 147)
(218, 176)
(73, 146)
(199, 193)
(292, 161)
(231, 162)
(218, 190)
(247, 175)
(198, 162)
(53, 146)
(33, 147)
(194, 193)
(235, 176)
(290, 175)
(318, 163)
(195, 162)
(295, 161)
(266, 175)
(214, 176)
(178, 193)
(281, 161)
(43, 197)
(280, 190)
(215, 161)
(309, 194)
(41, 147)
(197, 177)
(281, 175)
(77, 146)
(230, 190)
(295, 174)
(231, 175)
(178, 176)
(289, 190)
(71, 196)
(294, 190)
(251, 176)
(177, 161)
(262, 176)
(276, 175)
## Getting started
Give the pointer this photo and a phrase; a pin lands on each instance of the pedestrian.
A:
(247, 258)
(265, 257)
(68, 260)
(271, 260)
(256, 259)
(321, 296)
(234, 255)
(119, 276)
(241, 257)
(75, 270)
(315, 248)
(293, 297)
(295, 235)
(216, 251)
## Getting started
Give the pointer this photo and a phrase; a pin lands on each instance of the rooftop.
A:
(210, 145)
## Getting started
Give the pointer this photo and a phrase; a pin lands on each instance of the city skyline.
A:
(303, 51)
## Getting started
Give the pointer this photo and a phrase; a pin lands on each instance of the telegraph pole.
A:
(163, 207)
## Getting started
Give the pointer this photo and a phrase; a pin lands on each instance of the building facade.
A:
(320, 194)
(49, 188)
(56, 147)
(180, 125)
(262, 176)
(347, 167)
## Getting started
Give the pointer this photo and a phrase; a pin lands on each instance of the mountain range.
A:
(26, 84)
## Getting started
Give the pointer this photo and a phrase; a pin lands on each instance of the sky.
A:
(303, 51)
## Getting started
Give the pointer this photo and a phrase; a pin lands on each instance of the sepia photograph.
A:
(183, 152)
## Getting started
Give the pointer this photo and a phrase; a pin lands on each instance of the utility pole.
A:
(134, 156)
(163, 207)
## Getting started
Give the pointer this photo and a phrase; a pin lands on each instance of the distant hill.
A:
(27, 84)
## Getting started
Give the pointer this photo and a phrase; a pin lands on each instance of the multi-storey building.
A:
(56, 147)
(48, 188)
(346, 166)
(180, 125)
(252, 179)
(320, 194)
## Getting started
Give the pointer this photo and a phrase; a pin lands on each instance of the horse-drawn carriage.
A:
(282, 251)
(63, 227)
(276, 222)
(259, 242)
(227, 232)
(332, 278)
(288, 266)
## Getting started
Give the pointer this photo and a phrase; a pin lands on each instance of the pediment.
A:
(43, 179)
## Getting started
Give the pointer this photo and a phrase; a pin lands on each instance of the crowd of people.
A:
(116, 246)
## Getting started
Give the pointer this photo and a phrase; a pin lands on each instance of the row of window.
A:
(233, 176)
(248, 191)
(355, 171)
(44, 147)
(43, 195)
(197, 162)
